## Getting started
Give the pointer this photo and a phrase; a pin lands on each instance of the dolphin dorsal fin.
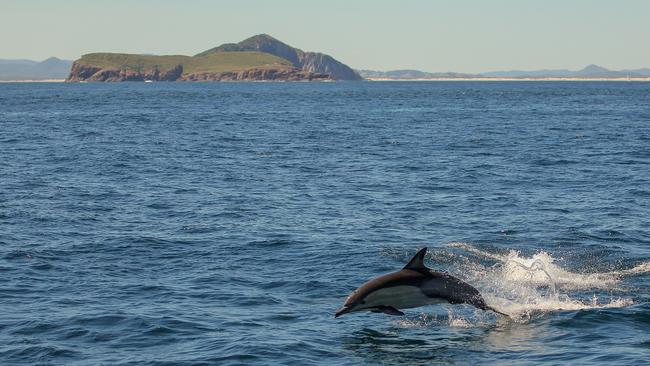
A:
(417, 262)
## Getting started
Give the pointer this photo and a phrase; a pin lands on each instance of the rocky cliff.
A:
(322, 63)
(258, 75)
(81, 72)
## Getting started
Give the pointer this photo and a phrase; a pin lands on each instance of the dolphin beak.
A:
(343, 310)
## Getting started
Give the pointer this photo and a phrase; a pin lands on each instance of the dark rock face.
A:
(258, 75)
(172, 74)
(322, 63)
(81, 72)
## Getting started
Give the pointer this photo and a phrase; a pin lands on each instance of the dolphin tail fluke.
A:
(496, 311)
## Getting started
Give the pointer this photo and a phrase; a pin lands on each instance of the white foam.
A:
(540, 269)
(460, 323)
(460, 320)
(524, 287)
(423, 320)
(456, 318)
(640, 269)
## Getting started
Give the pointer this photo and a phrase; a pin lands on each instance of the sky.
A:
(429, 35)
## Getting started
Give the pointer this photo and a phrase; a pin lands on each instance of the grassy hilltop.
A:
(214, 62)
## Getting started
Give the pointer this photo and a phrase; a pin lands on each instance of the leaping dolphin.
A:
(413, 286)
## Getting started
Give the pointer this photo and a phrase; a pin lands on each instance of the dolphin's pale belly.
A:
(400, 297)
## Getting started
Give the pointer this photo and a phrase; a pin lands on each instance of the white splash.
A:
(525, 287)
(423, 320)
(541, 270)
(456, 318)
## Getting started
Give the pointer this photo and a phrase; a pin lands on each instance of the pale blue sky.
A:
(433, 35)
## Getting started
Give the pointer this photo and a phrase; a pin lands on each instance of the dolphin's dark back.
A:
(454, 290)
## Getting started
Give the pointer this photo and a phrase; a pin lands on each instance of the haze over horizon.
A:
(460, 36)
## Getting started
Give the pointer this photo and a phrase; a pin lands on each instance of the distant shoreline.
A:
(34, 81)
(511, 79)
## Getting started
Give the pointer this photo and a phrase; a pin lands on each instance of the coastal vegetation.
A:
(213, 62)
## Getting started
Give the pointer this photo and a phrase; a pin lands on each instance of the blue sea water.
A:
(223, 224)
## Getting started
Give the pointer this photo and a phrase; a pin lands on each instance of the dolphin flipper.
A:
(387, 310)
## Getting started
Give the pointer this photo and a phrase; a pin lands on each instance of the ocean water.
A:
(223, 224)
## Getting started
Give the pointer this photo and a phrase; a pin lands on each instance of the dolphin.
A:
(413, 286)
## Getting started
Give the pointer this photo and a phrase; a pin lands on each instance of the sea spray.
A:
(527, 287)
(518, 269)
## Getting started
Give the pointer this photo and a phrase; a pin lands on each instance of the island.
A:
(258, 58)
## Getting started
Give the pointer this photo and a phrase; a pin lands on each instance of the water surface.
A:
(196, 224)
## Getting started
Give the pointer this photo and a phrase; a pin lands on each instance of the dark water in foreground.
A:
(197, 224)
